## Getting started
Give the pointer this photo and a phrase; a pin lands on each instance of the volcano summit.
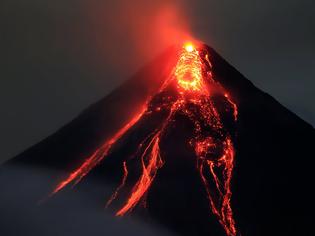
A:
(187, 143)
(190, 94)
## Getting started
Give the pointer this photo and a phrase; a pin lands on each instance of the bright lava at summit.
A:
(193, 83)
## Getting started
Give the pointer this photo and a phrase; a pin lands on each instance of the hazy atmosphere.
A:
(58, 57)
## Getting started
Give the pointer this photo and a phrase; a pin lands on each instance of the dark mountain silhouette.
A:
(271, 183)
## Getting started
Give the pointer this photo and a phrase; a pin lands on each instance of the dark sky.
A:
(57, 57)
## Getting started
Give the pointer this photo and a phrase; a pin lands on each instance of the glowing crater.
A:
(188, 70)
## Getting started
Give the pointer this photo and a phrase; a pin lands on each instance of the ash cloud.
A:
(126, 34)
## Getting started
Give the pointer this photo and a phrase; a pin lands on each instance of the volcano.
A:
(188, 143)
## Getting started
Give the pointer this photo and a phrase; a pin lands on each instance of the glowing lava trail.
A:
(194, 94)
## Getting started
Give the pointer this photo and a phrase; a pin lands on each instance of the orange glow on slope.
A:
(149, 171)
(214, 150)
(189, 69)
(97, 157)
(151, 154)
(223, 211)
(235, 111)
(113, 197)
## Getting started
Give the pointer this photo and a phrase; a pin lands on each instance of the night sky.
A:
(58, 57)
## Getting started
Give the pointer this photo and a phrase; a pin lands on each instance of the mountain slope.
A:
(272, 175)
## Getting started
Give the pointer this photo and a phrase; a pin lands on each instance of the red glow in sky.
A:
(138, 29)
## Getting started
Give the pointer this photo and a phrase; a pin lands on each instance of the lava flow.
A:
(195, 89)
